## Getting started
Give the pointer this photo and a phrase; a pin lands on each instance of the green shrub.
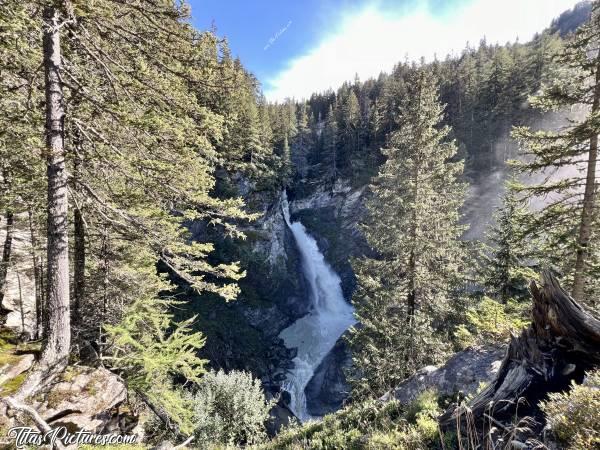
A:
(423, 412)
(574, 416)
(371, 425)
(491, 322)
(229, 409)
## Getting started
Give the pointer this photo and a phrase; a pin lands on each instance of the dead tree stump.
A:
(560, 345)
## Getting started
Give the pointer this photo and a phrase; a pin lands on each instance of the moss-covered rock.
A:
(14, 362)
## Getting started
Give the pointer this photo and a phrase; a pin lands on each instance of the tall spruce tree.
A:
(506, 273)
(567, 222)
(406, 291)
(329, 146)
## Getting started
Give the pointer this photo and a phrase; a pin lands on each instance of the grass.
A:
(371, 425)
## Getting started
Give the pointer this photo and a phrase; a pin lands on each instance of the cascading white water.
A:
(315, 334)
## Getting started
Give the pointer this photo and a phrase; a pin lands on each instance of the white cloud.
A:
(368, 42)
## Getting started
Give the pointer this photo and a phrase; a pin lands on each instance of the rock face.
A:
(20, 292)
(244, 334)
(463, 373)
(331, 215)
(280, 416)
(82, 399)
(17, 366)
(327, 390)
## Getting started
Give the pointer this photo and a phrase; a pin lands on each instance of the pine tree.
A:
(329, 153)
(565, 225)
(506, 273)
(303, 142)
(498, 86)
(405, 293)
(348, 128)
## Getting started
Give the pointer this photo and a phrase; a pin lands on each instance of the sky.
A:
(297, 47)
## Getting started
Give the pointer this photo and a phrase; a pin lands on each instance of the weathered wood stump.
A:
(560, 345)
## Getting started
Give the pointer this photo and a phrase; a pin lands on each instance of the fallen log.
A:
(560, 345)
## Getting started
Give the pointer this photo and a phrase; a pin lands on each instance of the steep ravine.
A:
(276, 293)
(315, 334)
(329, 216)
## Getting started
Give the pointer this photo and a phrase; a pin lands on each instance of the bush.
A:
(490, 322)
(574, 416)
(369, 425)
(229, 409)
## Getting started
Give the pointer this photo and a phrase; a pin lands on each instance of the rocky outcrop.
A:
(272, 242)
(14, 367)
(462, 375)
(80, 398)
(331, 215)
(280, 415)
(84, 398)
(273, 229)
(20, 291)
(328, 388)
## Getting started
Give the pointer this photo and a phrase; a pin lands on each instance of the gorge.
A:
(315, 334)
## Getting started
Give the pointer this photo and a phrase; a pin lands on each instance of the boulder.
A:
(463, 374)
(83, 398)
(327, 389)
(19, 300)
(280, 416)
(19, 365)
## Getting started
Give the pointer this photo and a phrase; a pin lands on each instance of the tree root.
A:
(40, 423)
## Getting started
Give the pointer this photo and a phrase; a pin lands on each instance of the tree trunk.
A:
(78, 265)
(560, 345)
(58, 336)
(21, 306)
(6, 253)
(589, 200)
(55, 352)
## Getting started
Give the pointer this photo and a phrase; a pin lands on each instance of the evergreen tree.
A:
(303, 142)
(329, 153)
(506, 273)
(22, 171)
(567, 160)
(123, 117)
(405, 293)
(348, 127)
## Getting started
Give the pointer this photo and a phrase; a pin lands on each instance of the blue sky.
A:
(296, 47)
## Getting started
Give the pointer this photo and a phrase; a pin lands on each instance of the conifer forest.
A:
(409, 260)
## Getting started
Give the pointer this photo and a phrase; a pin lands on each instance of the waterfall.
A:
(315, 334)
